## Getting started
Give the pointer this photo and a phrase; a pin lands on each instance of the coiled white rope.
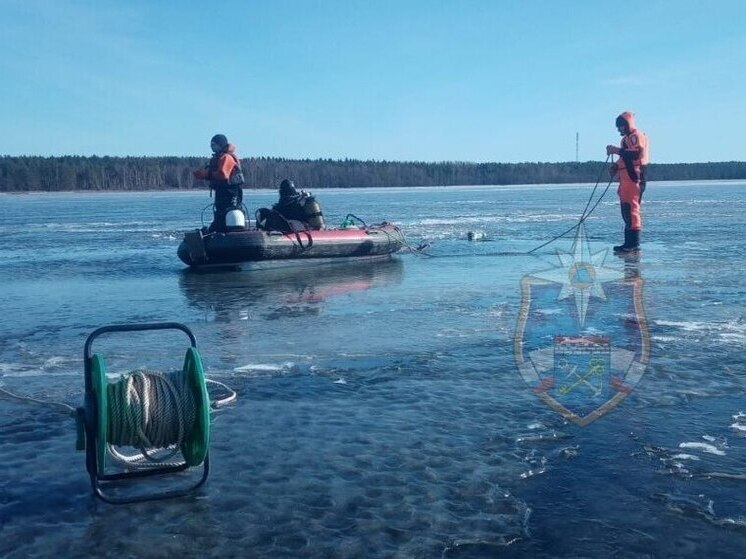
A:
(150, 411)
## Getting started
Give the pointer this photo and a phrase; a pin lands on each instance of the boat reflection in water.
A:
(283, 292)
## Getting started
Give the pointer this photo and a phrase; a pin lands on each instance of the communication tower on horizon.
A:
(577, 147)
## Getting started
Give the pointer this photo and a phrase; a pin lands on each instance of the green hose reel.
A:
(99, 421)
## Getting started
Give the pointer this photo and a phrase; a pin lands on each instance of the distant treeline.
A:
(22, 174)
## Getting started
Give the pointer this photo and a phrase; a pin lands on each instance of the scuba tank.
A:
(235, 218)
(313, 214)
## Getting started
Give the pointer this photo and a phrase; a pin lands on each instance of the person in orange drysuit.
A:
(220, 172)
(631, 166)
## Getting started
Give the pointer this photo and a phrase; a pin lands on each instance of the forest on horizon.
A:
(94, 173)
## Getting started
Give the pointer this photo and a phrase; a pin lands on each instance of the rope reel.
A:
(164, 416)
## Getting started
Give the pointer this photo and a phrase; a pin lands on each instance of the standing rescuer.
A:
(631, 166)
(225, 177)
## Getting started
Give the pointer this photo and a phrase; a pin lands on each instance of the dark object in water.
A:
(476, 236)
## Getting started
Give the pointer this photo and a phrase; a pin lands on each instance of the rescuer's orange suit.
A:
(633, 159)
(218, 172)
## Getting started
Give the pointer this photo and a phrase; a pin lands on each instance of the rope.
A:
(57, 405)
(202, 215)
(583, 216)
(150, 410)
(420, 250)
(586, 213)
(153, 412)
(219, 403)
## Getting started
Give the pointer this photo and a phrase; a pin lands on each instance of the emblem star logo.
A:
(581, 273)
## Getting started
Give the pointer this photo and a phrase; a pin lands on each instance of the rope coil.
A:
(150, 410)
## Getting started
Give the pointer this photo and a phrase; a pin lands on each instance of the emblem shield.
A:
(582, 343)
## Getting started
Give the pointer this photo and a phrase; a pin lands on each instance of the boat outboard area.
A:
(247, 248)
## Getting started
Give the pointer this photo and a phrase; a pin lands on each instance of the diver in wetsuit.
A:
(294, 211)
(291, 202)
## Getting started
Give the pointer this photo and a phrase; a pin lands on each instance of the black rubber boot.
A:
(625, 246)
(631, 242)
(634, 240)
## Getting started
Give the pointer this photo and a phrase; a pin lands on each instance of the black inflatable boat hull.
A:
(256, 248)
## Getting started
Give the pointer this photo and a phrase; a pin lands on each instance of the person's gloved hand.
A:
(612, 150)
(200, 174)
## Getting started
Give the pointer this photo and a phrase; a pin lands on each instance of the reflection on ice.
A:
(233, 295)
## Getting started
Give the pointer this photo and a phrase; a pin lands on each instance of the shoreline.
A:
(521, 186)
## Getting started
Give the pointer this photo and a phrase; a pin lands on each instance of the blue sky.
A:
(400, 80)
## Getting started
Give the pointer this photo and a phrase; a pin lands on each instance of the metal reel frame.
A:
(95, 443)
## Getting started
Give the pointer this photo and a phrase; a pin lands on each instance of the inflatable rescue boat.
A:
(256, 248)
